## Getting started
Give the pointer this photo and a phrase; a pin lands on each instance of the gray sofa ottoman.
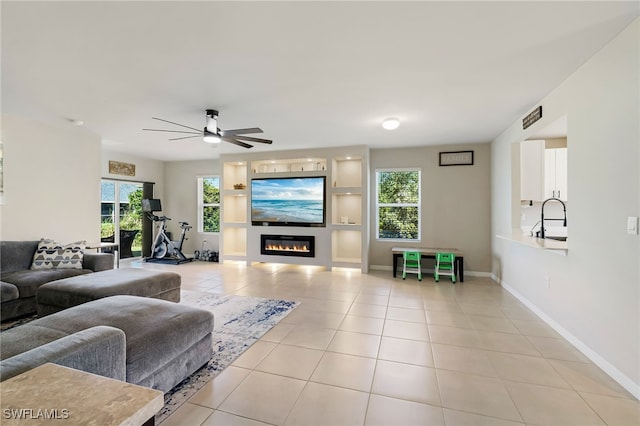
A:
(165, 342)
(62, 294)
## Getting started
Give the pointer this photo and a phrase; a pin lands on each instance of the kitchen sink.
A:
(557, 238)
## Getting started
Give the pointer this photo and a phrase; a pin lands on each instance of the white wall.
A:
(51, 181)
(594, 295)
(456, 211)
(180, 200)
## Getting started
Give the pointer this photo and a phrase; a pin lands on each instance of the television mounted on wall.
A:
(290, 201)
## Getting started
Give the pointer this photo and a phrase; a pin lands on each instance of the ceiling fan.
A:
(212, 134)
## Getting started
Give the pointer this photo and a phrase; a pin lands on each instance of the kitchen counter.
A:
(517, 236)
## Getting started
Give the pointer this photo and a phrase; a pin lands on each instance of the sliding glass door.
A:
(121, 216)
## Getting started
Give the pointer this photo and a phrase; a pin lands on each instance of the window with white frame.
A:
(398, 204)
(209, 204)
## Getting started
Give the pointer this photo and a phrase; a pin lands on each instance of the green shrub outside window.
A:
(398, 204)
(209, 204)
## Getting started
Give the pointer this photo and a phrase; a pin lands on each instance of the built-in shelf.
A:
(289, 165)
(347, 172)
(346, 246)
(234, 241)
(234, 207)
(343, 242)
(234, 173)
(346, 208)
(233, 233)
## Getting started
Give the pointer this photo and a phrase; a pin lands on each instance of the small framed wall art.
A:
(118, 168)
(456, 158)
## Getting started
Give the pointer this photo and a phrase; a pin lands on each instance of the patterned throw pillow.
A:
(53, 255)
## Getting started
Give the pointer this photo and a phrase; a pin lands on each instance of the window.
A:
(398, 204)
(120, 211)
(209, 204)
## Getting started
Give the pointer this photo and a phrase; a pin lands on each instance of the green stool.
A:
(411, 264)
(445, 265)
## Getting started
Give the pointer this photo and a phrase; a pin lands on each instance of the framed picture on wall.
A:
(456, 158)
(119, 168)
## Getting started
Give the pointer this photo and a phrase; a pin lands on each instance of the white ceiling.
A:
(310, 74)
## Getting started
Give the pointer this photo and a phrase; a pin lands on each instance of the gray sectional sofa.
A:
(19, 283)
(142, 340)
(145, 341)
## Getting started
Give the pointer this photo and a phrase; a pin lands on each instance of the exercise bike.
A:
(163, 248)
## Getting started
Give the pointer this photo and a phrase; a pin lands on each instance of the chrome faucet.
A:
(542, 219)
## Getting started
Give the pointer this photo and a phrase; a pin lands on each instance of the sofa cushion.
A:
(53, 255)
(16, 255)
(8, 292)
(26, 337)
(28, 281)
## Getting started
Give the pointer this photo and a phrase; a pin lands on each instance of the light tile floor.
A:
(367, 349)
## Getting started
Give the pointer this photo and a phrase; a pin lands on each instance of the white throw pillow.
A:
(53, 255)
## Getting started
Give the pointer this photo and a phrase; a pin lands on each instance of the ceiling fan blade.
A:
(173, 131)
(186, 137)
(250, 139)
(234, 132)
(181, 125)
(237, 142)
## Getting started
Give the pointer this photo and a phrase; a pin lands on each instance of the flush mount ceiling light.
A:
(391, 123)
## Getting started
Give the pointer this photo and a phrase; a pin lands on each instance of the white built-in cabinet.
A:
(555, 173)
(343, 242)
(532, 170)
(347, 208)
(543, 171)
(234, 209)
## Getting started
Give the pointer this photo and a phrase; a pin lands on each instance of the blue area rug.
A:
(238, 323)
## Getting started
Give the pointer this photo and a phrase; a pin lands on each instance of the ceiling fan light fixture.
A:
(212, 121)
(391, 123)
(210, 137)
(212, 134)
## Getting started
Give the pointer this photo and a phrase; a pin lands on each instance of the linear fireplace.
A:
(288, 245)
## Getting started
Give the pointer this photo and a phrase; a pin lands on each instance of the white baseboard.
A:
(597, 359)
(478, 274)
(380, 268)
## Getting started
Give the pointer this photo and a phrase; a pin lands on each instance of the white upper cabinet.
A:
(555, 170)
(543, 171)
(532, 170)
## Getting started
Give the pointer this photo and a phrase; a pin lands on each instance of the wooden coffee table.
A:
(73, 397)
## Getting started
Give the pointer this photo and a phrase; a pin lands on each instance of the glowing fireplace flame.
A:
(292, 247)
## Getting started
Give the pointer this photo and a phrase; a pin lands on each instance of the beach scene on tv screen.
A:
(288, 200)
